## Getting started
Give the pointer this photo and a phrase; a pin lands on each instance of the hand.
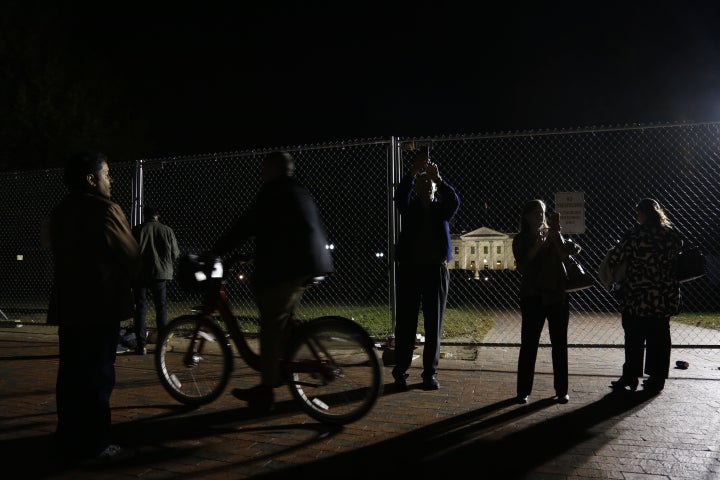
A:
(432, 171)
(420, 164)
(207, 257)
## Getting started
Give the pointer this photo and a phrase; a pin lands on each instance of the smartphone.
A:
(553, 219)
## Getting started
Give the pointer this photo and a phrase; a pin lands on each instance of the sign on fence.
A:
(571, 207)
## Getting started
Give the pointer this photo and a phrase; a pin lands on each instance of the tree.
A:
(59, 90)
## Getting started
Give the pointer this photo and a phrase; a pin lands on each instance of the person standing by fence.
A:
(538, 249)
(423, 250)
(649, 296)
(159, 251)
(96, 260)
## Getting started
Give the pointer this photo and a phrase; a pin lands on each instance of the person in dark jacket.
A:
(422, 253)
(159, 250)
(96, 260)
(290, 251)
(650, 295)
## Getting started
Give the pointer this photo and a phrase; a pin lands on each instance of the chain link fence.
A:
(353, 184)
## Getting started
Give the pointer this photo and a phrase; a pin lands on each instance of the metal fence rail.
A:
(353, 183)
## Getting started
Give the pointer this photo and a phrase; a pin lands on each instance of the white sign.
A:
(571, 207)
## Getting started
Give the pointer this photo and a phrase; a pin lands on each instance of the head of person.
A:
(649, 212)
(532, 216)
(88, 172)
(277, 164)
(151, 212)
(424, 187)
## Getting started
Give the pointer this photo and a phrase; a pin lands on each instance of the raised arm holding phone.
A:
(426, 205)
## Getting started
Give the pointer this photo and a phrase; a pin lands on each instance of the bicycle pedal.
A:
(194, 361)
(320, 404)
(206, 336)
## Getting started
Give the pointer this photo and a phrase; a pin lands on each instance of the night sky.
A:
(155, 79)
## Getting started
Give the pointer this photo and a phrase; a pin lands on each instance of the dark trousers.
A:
(276, 304)
(534, 314)
(158, 288)
(417, 285)
(85, 381)
(649, 337)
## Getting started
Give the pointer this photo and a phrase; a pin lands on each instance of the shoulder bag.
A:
(611, 278)
(576, 277)
(690, 264)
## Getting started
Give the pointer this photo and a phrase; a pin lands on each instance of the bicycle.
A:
(330, 363)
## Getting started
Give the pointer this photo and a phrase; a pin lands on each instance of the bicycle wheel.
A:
(351, 381)
(194, 364)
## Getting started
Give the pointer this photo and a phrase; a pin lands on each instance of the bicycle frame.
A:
(216, 303)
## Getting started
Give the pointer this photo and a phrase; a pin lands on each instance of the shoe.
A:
(622, 382)
(141, 351)
(523, 399)
(110, 454)
(111, 451)
(431, 383)
(260, 398)
(400, 383)
(563, 399)
(653, 385)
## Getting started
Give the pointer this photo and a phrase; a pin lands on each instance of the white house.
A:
(482, 249)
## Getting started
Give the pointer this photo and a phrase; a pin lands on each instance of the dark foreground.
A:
(471, 425)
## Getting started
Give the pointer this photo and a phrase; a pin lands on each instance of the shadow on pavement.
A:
(467, 443)
(36, 456)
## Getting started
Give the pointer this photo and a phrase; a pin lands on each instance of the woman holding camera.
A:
(539, 248)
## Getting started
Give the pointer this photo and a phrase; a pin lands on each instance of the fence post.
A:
(136, 213)
(393, 222)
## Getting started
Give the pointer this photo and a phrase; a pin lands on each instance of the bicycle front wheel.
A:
(333, 370)
(193, 359)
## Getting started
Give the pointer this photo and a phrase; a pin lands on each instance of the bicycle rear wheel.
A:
(343, 378)
(193, 359)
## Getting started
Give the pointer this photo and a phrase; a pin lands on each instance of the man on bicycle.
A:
(290, 250)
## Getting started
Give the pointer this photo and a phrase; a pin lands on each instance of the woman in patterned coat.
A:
(650, 295)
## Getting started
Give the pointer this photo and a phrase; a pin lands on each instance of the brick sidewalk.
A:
(471, 426)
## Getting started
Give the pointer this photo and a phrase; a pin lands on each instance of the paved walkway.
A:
(588, 328)
(470, 427)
